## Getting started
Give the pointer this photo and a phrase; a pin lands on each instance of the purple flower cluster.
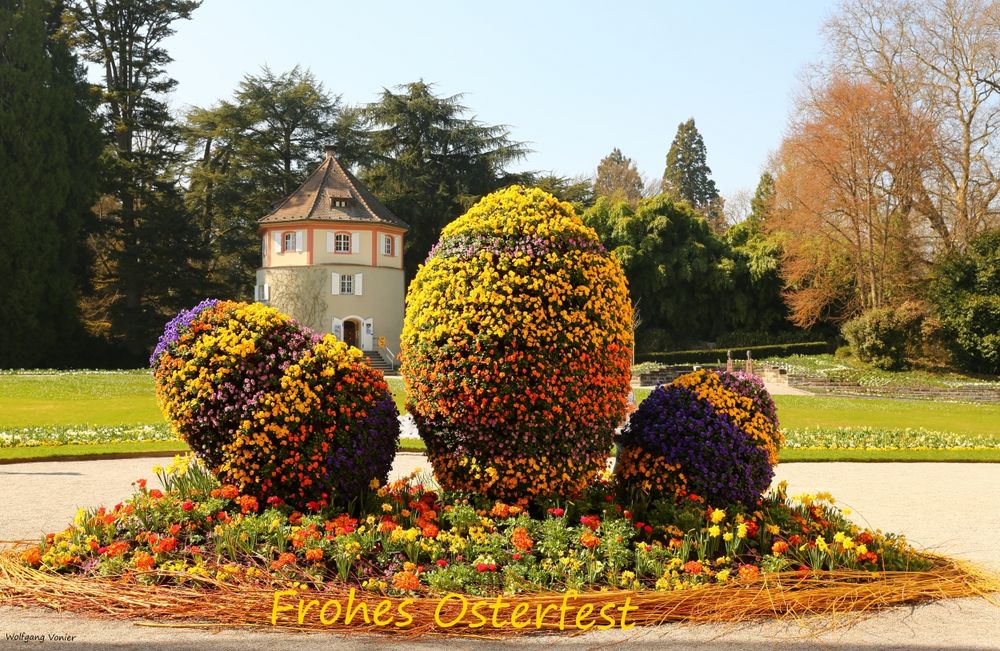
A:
(468, 245)
(718, 461)
(751, 387)
(177, 326)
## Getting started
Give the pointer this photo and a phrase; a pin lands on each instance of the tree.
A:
(247, 154)
(757, 304)
(965, 291)
(678, 270)
(687, 175)
(49, 145)
(940, 60)
(618, 178)
(844, 211)
(578, 191)
(125, 39)
(430, 163)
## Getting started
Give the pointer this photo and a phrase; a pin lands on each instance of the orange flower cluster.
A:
(516, 349)
(649, 472)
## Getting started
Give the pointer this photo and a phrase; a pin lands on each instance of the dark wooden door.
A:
(351, 333)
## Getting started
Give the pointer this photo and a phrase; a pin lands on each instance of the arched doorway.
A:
(351, 333)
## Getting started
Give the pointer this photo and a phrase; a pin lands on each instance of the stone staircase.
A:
(379, 363)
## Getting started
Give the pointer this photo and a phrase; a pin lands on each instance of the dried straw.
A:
(843, 597)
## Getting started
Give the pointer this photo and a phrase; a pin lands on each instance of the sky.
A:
(572, 79)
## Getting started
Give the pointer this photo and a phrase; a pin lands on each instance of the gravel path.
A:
(949, 508)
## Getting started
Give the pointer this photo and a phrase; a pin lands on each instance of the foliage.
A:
(717, 355)
(881, 337)
(687, 175)
(756, 301)
(248, 152)
(428, 163)
(146, 246)
(705, 433)
(938, 62)
(49, 146)
(578, 191)
(849, 237)
(406, 539)
(273, 408)
(965, 290)
(618, 178)
(676, 267)
(516, 349)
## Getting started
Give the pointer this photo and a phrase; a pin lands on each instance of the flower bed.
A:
(200, 550)
(25, 437)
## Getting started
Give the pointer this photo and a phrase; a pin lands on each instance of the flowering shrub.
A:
(516, 349)
(405, 538)
(271, 407)
(697, 435)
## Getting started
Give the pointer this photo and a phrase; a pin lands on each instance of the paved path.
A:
(950, 508)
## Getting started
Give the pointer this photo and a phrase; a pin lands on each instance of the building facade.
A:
(332, 258)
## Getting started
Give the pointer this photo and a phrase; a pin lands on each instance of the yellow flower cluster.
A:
(517, 347)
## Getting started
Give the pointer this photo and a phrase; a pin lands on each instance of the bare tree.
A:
(941, 60)
(844, 204)
(737, 206)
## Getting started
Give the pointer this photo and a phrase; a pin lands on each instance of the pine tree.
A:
(687, 175)
(49, 144)
(430, 163)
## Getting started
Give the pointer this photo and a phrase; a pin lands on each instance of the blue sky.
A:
(574, 79)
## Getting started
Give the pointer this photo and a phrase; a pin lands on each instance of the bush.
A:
(714, 435)
(752, 339)
(718, 355)
(886, 337)
(965, 291)
(516, 349)
(273, 408)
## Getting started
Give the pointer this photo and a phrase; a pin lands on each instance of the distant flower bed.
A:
(21, 437)
(876, 438)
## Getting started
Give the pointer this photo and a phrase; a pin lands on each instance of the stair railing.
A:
(393, 361)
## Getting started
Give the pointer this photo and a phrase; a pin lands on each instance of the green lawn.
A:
(126, 398)
(978, 419)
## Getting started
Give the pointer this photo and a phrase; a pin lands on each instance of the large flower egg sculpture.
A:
(516, 349)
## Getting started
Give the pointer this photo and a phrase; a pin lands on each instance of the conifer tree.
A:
(49, 144)
(687, 175)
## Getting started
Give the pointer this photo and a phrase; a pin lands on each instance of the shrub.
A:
(516, 349)
(965, 291)
(711, 434)
(273, 408)
(883, 337)
(718, 355)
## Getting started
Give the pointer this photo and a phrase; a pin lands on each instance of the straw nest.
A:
(843, 597)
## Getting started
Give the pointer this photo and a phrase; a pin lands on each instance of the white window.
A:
(387, 244)
(347, 284)
(342, 243)
(262, 293)
(338, 203)
(288, 242)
